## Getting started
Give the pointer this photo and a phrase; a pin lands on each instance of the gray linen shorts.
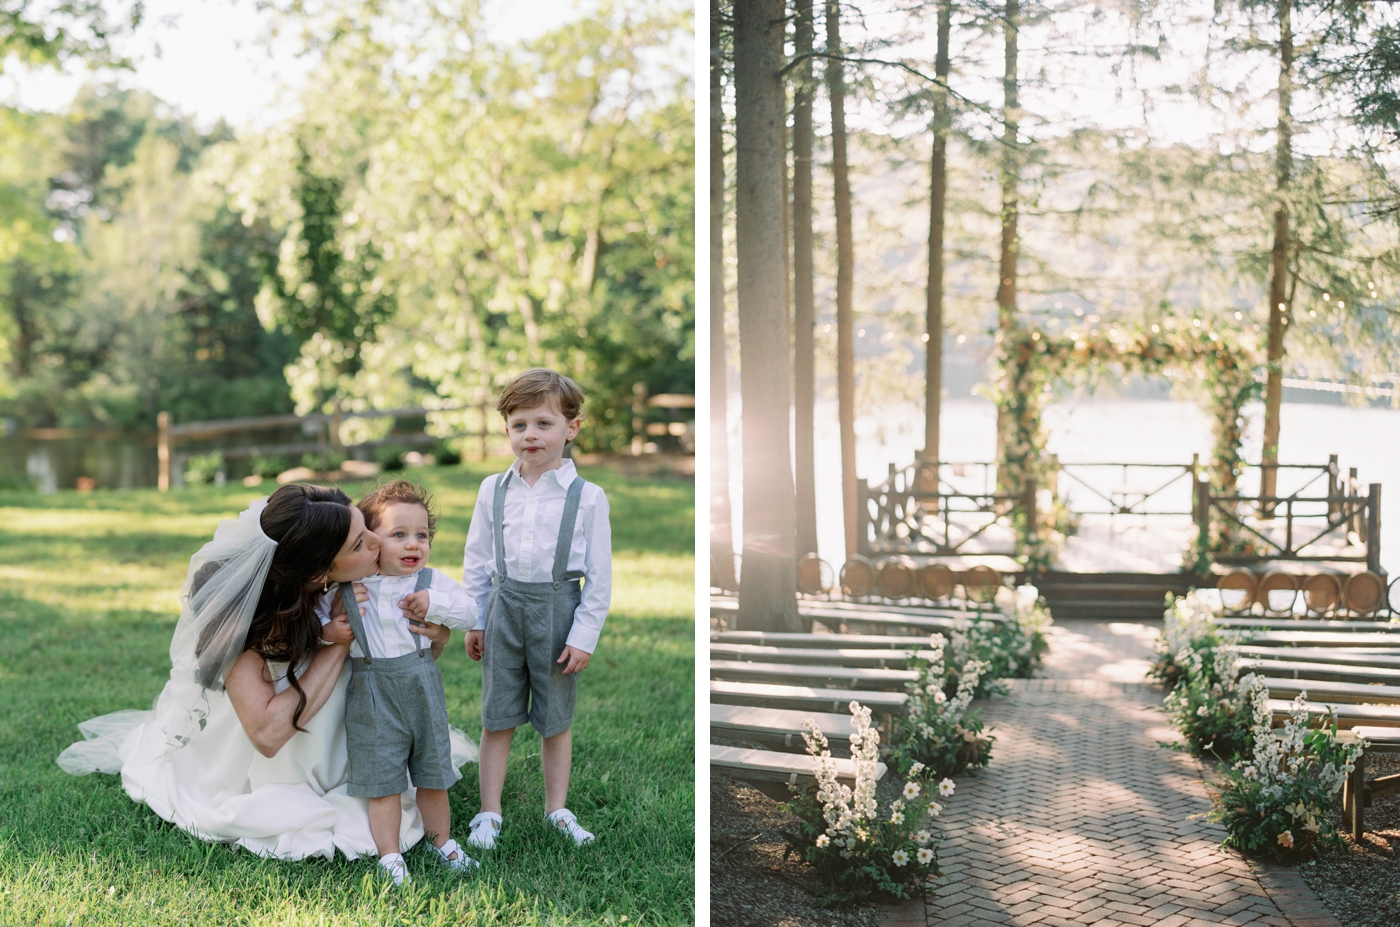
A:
(396, 720)
(527, 628)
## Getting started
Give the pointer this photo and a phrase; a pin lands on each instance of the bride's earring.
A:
(326, 584)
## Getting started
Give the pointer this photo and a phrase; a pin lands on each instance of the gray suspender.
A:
(561, 572)
(352, 611)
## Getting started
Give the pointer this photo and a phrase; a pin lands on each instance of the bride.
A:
(246, 742)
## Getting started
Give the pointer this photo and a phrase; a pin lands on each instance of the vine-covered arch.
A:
(1033, 360)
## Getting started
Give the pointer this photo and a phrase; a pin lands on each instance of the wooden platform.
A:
(804, 697)
(884, 642)
(838, 656)
(850, 677)
(778, 729)
(772, 772)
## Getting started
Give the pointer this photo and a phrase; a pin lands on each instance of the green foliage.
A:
(1209, 703)
(269, 466)
(204, 468)
(1277, 804)
(87, 629)
(861, 848)
(938, 729)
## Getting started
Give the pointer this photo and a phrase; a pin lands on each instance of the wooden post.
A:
(1373, 529)
(1358, 518)
(481, 407)
(639, 407)
(1203, 510)
(163, 451)
(862, 517)
(1334, 482)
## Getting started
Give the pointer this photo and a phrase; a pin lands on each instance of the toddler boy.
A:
(539, 565)
(395, 709)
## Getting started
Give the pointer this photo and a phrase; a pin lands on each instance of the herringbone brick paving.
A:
(1083, 818)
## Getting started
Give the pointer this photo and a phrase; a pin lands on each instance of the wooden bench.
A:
(989, 612)
(1321, 672)
(841, 656)
(771, 772)
(1361, 656)
(804, 697)
(1349, 639)
(1356, 693)
(1284, 623)
(885, 642)
(849, 677)
(1347, 715)
(1358, 793)
(779, 729)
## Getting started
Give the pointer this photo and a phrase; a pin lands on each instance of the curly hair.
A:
(380, 498)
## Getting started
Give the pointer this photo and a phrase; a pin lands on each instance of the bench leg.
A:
(1356, 793)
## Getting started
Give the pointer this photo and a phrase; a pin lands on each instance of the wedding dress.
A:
(218, 787)
(189, 758)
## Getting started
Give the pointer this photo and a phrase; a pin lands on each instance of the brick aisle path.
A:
(1082, 819)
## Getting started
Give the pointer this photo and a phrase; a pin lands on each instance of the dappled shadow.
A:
(1082, 809)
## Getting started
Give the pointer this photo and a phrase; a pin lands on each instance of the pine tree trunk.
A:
(721, 523)
(804, 312)
(1010, 185)
(845, 272)
(938, 191)
(768, 582)
(1279, 310)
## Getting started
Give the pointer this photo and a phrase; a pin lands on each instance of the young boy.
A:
(395, 709)
(539, 565)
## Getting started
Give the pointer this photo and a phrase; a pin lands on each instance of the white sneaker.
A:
(454, 857)
(395, 868)
(484, 828)
(567, 824)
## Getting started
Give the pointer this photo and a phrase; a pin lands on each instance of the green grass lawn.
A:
(89, 595)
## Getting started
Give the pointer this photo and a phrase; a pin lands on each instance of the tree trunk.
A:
(845, 272)
(804, 302)
(1279, 310)
(1010, 184)
(938, 190)
(721, 522)
(768, 583)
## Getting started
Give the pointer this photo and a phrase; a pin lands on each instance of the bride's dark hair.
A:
(310, 525)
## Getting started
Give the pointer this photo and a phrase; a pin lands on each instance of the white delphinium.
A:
(844, 809)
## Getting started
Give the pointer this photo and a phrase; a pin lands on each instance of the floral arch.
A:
(1033, 360)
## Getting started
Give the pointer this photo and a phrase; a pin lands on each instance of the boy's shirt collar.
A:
(563, 474)
(380, 577)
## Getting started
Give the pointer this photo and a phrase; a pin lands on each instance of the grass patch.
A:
(89, 596)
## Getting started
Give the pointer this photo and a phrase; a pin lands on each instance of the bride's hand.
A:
(435, 633)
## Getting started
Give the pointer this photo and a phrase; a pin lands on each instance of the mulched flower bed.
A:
(750, 882)
(1361, 885)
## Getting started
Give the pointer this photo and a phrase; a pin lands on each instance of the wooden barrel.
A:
(809, 575)
(857, 577)
(1277, 592)
(1322, 592)
(1237, 589)
(1363, 593)
(896, 578)
(937, 581)
(981, 583)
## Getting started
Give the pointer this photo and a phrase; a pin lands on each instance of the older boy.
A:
(539, 563)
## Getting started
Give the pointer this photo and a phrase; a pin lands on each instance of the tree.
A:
(804, 308)
(1279, 254)
(721, 522)
(845, 280)
(768, 584)
(938, 191)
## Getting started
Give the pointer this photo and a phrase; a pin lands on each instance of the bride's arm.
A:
(266, 715)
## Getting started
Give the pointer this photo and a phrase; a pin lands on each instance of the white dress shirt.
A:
(386, 627)
(531, 532)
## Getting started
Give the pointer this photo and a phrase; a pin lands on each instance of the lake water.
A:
(1101, 430)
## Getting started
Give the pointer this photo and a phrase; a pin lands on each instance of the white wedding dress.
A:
(218, 787)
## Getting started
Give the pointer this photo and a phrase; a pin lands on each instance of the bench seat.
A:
(1355, 693)
(1285, 623)
(804, 697)
(772, 772)
(1348, 715)
(1388, 657)
(884, 642)
(1326, 638)
(777, 728)
(1323, 672)
(840, 656)
(850, 677)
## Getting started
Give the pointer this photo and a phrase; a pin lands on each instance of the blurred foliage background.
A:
(442, 212)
